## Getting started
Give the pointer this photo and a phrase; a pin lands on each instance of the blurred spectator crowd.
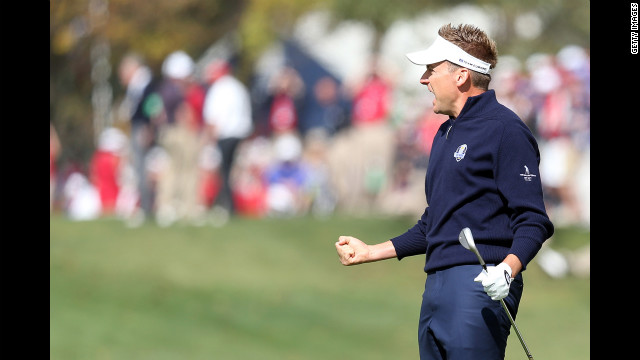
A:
(201, 147)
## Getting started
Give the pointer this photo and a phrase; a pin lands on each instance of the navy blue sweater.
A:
(482, 174)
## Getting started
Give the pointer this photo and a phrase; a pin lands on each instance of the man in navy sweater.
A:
(482, 174)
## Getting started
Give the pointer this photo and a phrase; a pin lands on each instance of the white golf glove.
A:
(496, 280)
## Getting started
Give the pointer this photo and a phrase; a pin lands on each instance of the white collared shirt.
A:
(227, 106)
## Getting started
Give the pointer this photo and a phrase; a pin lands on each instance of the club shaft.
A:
(504, 306)
(513, 323)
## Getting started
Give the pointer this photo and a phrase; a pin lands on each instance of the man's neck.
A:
(464, 96)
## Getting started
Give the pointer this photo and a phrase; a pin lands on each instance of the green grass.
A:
(267, 289)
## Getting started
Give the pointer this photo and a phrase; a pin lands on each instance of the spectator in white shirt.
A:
(227, 115)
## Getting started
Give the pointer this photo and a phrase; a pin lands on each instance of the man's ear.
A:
(462, 76)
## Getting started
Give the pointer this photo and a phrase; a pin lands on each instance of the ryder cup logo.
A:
(460, 151)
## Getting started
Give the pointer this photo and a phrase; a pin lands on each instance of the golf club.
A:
(466, 239)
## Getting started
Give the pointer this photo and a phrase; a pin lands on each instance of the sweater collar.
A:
(476, 104)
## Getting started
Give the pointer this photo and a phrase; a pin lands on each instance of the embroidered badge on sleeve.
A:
(527, 175)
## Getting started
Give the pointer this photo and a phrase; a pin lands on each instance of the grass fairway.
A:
(266, 289)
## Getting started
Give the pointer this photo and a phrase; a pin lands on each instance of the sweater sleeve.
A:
(413, 241)
(518, 180)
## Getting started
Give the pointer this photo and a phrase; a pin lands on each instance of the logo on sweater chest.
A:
(460, 152)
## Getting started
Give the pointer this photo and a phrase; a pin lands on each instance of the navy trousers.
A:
(459, 321)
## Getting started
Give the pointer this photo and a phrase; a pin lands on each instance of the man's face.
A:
(441, 82)
(126, 70)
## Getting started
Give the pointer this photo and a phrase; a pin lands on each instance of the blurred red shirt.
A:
(371, 102)
(104, 176)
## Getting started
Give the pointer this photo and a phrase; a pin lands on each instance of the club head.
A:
(466, 239)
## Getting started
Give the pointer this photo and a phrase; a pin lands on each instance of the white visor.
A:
(442, 50)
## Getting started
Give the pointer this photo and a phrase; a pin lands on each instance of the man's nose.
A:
(424, 80)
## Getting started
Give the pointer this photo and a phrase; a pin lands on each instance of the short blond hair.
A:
(474, 42)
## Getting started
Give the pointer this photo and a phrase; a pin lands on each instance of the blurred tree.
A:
(69, 79)
(381, 14)
(560, 22)
(152, 28)
(264, 21)
(162, 26)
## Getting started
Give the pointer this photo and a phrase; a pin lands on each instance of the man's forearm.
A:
(514, 263)
(382, 251)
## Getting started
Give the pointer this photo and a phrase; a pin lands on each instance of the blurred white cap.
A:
(178, 65)
(112, 140)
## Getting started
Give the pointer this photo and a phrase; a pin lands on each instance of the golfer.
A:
(482, 174)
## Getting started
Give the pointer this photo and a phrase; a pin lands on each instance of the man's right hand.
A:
(352, 251)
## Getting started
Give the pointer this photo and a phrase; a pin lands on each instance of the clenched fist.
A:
(351, 251)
